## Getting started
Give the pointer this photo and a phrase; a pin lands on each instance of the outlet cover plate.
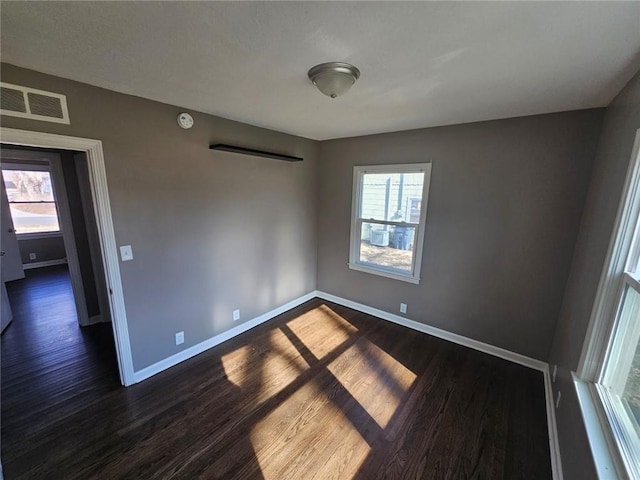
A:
(179, 338)
(126, 253)
(403, 308)
(236, 315)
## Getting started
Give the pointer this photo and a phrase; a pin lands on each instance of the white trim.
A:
(603, 313)
(619, 425)
(179, 357)
(607, 465)
(552, 427)
(47, 263)
(554, 445)
(100, 193)
(362, 267)
(623, 345)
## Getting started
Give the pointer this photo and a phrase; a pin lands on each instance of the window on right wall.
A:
(610, 363)
(388, 219)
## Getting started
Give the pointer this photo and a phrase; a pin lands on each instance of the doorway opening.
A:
(57, 310)
(91, 155)
(50, 216)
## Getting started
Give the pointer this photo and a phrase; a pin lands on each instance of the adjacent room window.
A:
(31, 199)
(611, 360)
(388, 219)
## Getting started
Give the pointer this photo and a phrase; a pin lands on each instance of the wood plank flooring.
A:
(320, 392)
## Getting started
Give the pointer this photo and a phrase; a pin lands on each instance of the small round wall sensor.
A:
(185, 120)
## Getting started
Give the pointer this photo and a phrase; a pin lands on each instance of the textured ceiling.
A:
(423, 64)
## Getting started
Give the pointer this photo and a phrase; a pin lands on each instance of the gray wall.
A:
(621, 122)
(503, 214)
(210, 231)
(46, 249)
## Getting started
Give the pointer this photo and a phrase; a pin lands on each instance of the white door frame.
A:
(102, 208)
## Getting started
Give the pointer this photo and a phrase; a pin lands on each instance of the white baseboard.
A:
(48, 263)
(158, 367)
(554, 447)
(552, 427)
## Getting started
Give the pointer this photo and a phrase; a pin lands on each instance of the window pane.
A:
(631, 313)
(34, 217)
(387, 246)
(27, 186)
(392, 196)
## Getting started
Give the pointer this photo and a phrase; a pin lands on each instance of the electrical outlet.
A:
(403, 308)
(558, 399)
(126, 253)
(236, 315)
(555, 371)
(179, 338)
(32, 256)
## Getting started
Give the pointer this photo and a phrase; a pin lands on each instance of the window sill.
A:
(35, 236)
(606, 460)
(384, 273)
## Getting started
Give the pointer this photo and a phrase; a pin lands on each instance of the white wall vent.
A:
(25, 102)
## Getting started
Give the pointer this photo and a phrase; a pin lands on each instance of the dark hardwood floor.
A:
(320, 392)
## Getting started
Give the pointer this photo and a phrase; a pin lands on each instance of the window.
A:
(611, 358)
(31, 199)
(388, 218)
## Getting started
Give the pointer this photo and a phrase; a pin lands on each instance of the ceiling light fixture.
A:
(334, 78)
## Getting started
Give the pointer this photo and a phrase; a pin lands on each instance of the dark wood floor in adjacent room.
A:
(320, 392)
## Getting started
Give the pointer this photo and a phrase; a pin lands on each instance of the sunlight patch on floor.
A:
(308, 437)
(263, 373)
(235, 363)
(374, 378)
(321, 330)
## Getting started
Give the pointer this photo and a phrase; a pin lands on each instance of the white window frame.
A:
(36, 167)
(357, 221)
(613, 439)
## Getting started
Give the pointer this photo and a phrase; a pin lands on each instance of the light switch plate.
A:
(126, 253)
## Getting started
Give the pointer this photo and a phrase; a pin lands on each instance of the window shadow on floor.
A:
(319, 392)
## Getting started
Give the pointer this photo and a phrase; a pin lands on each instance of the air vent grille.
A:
(25, 102)
(45, 105)
(11, 99)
